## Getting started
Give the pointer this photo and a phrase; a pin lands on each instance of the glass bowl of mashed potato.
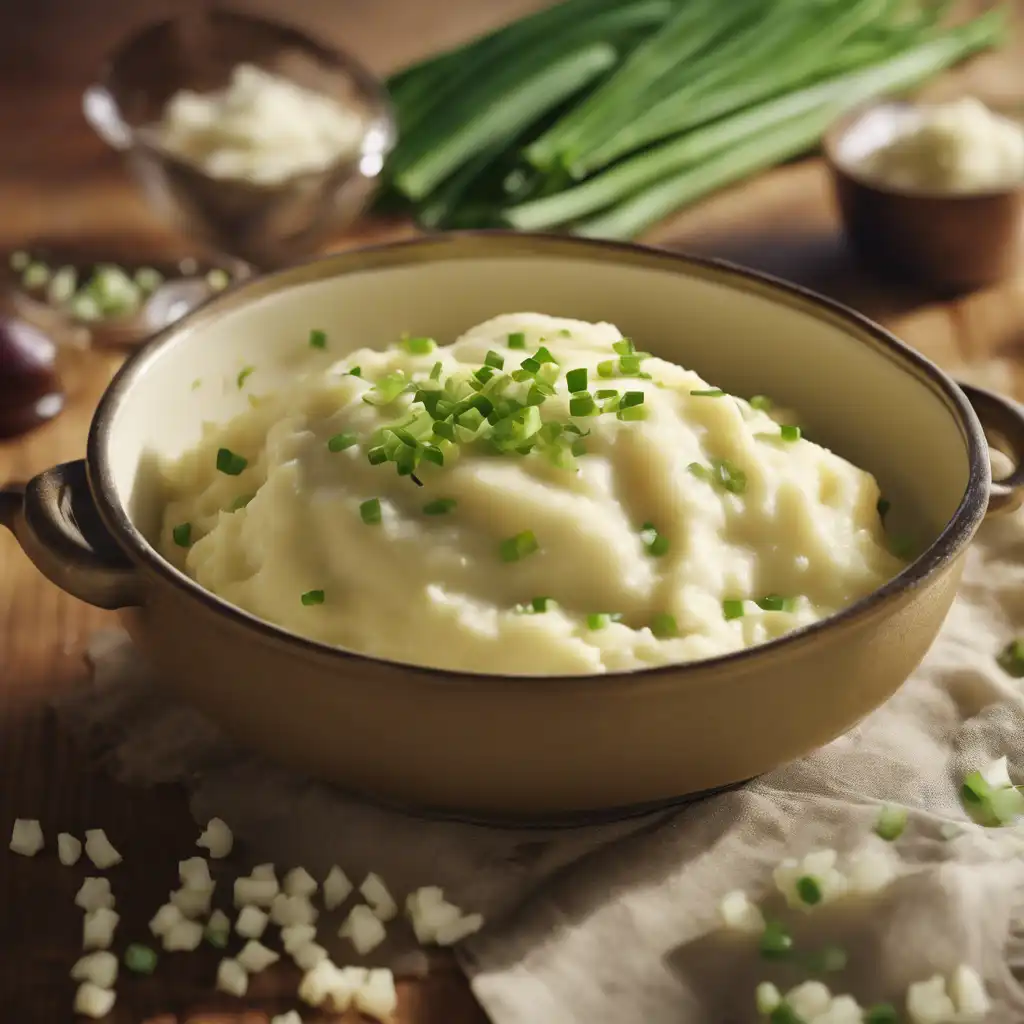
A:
(513, 526)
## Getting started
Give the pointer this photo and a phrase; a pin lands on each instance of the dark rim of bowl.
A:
(381, 110)
(953, 538)
(845, 123)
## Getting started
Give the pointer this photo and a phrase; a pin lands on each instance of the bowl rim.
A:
(846, 122)
(499, 244)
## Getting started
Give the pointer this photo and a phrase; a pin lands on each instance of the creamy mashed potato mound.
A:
(640, 519)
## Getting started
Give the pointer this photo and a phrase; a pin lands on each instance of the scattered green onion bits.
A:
(775, 941)
(439, 507)
(369, 511)
(513, 549)
(709, 393)
(785, 1014)
(809, 890)
(732, 608)
(664, 626)
(311, 597)
(240, 502)
(881, 1013)
(1011, 659)
(419, 346)
(827, 960)
(775, 603)
(244, 374)
(762, 402)
(601, 620)
(495, 360)
(317, 339)
(517, 340)
(657, 544)
(230, 463)
(789, 432)
(576, 380)
(340, 442)
(892, 820)
(537, 606)
(356, 371)
(140, 959)
(182, 535)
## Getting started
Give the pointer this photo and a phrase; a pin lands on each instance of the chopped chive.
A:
(386, 390)
(356, 371)
(482, 376)
(775, 603)
(436, 370)
(732, 608)
(578, 447)
(789, 432)
(517, 339)
(636, 412)
(975, 791)
(369, 511)
(600, 620)
(664, 626)
(340, 442)
(311, 597)
(530, 365)
(536, 396)
(539, 605)
(512, 549)
(317, 339)
(582, 405)
(775, 941)
(728, 476)
(606, 393)
(631, 399)
(881, 1013)
(762, 402)
(182, 535)
(140, 959)
(699, 471)
(809, 890)
(240, 502)
(542, 355)
(495, 359)
(785, 1014)
(243, 375)
(230, 463)
(565, 333)
(892, 820)
(377, 456)
(657, 544)
(624, 347)
(430, 453)
(576, 380)
(439, 507)
(419, 346)
(629, 366)
(1011, 659)
(606, 368)
(708, 393)
(197, 383)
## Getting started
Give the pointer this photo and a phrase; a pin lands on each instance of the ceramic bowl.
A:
(953, 242)
(502, 747)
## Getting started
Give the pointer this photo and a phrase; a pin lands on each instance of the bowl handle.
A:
(55, 520)
(1003, 420)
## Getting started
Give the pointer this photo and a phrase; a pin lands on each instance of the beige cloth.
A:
(617, 924)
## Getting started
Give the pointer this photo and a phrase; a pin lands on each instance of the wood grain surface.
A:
(58, 181)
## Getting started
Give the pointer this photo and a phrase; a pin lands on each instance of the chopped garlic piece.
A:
(318, 983)
(286, 911)
(842, 1010)
(739, 914)
(455, 931)
(337, 888)
(69, 849)
(968, 993)
(93, 1001)
(251, 923)
(928, 1003)
(100, 850)
(871, 867)
(428, 912)
(98, 928)
(308, 956)
(299, 882)
(767, 998)
(259, 892)
(363, 928)
(165, 919)
(217, 839)
(375, 892)
(347, 983)
(100, 968)
(95, 893)
(195, 873)
(255, 957)
(809, 999)
(231, 977)
(183, 936)
(192, 902)
(295, 935)
(26, 837)
(377, 997)
(291, 1017)
(264, 872)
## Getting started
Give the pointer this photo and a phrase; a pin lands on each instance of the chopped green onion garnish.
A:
(140, 959)
(827, 960)
(578, 447)
(356, 371)
(419, 346)
(514, 548)
(530, 366)
(565, 333)
(582, 405)
(1011, 659)
(495, 359)
(775, 941)
(881, 1013)
(785, 1014)
(975, 791)
(892, 820)
(631, 399)
(789, 433)
(230, 463)
(318, 339)
(629, 366)
(313, 597)
(775, 603)
(599, 620)
(539, 605)
(576, 380)
(728, 476)
(664, 626)
(240, 502)
(243, 375)
(197, 383)
(732, 608)
(542, 355)
(436, 370)
(637, 412)
(606, 368)
(217, 937)
(699, 471)
(762, 402)
(340, 442)
(377, 456)
(387, 389)
(606, 393)
(439, 507)
(182, 535)
(625, 347)
(517, 339)
(656, 543)
(809, 890)
(883, 506)
(708, 393)
(369, 511)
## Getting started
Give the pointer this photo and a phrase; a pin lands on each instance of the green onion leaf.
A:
(606, 393)
(883, 506)
(240, 502)
(515, 548)
(318, 339)
(625, 347)
(539, 605)
(708, 393)
(775, 603)
(775, 941)
(517, 339)
(728, 476)
(762, 402)
(431, 453)
(664, 626)
(582, 405)
(827, 960)
(182, 535)
(436, 370)
(386, 390)
(311, 597)
(881, 1013)
(542, 355)
(495, 359)
(140, 959)
(809, 890)
(356, 371)
(600, 620)
(340, 442)
(699, 471)
(732, 608)
(230, 463)
(378, 455)
(419, 346)
(657, 544)
(606, 368)
(785, 1014)
(439, 507)
(892, 820)
(576, 380)
(631, 399)
(578, 447)
(244, 374)
(629, 366)
(1011, 659)
(789, 433)
(369, 511)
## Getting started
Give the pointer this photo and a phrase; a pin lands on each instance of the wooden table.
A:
(57, 180)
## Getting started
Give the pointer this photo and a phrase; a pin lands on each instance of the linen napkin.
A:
(619, 923)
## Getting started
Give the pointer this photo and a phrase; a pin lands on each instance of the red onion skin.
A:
(30, 387)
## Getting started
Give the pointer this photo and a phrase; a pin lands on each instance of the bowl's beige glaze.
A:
(530, 747)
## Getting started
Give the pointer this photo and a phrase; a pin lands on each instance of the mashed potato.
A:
(591, 509)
